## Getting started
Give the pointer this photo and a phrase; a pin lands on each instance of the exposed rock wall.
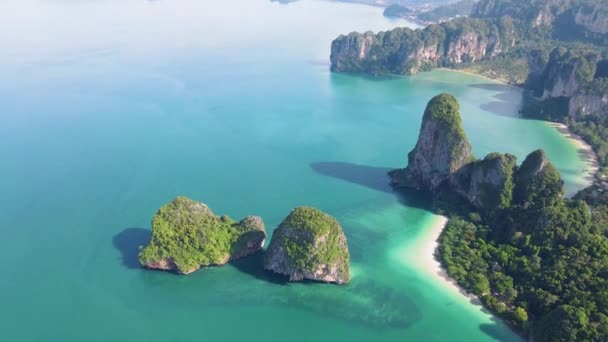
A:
(594, 19)
(442, 162)
(442, 148)
(406, 51)
(583, 105)
(566, 71)
(309, 244)
(487, 183)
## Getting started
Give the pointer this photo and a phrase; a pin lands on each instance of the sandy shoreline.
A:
(473, 73)
(429, 263)
(584, 151)
(428, 243)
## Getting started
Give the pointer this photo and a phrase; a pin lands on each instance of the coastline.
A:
(428, 243)
(472, 72)
(585, 151)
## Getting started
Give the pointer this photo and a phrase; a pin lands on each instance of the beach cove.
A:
(250, 121)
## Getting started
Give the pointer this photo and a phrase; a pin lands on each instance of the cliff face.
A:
(186, 236)
(442, 162)
(572, 82)
(406, 51)
(346, 50)
(488, 183)
(442, 147)
(251, 237)
(566, 71)
(592, 18)
(309, 244)
(586, 104)
(544, 17)
(534, 13)
(471, 47)
(584, 20)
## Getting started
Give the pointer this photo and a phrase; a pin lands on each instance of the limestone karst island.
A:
(186, 236)
(334, 170)
(308, 244)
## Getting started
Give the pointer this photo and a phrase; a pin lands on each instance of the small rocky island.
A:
(186, 236)
(309, 244)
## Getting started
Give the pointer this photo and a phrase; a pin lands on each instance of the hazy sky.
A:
(35, 28)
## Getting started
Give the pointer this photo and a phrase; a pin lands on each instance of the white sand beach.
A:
(427, 262)
(583, 149)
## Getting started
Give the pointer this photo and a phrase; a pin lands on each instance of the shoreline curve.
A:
(583, 148)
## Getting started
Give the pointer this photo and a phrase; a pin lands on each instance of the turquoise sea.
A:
(109, 109)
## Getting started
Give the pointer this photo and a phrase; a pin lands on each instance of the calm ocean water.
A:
(110, 109)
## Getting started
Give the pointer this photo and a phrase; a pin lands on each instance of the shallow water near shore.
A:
(113, 108)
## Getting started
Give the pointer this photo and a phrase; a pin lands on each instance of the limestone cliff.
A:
(566, 71)
(544, 17)
(351, 48)
(532, 13)
(586, 104)
(593, 18)
(309, 244)
(186, 236)
(591, 99)
(567, 82)
(442, 163)
(442, 148)
(406, 51)
(487, 183)
(584, 20)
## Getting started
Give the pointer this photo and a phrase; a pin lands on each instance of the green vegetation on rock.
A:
(491, 181)
(433, 160)
(534, 258)
(538, 260)
(406, 51)
(539, 184)
(309, 244)
(526, 259)
(186, 235)
(445, 110)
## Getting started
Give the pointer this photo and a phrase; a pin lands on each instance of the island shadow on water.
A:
(127, 242)
(399, 311)
(372, 177)
(504, 100)
(377, 178)
(253, 265)
(344, 303)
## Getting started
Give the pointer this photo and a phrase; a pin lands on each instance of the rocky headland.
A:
(509, 227)
(442, 161)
